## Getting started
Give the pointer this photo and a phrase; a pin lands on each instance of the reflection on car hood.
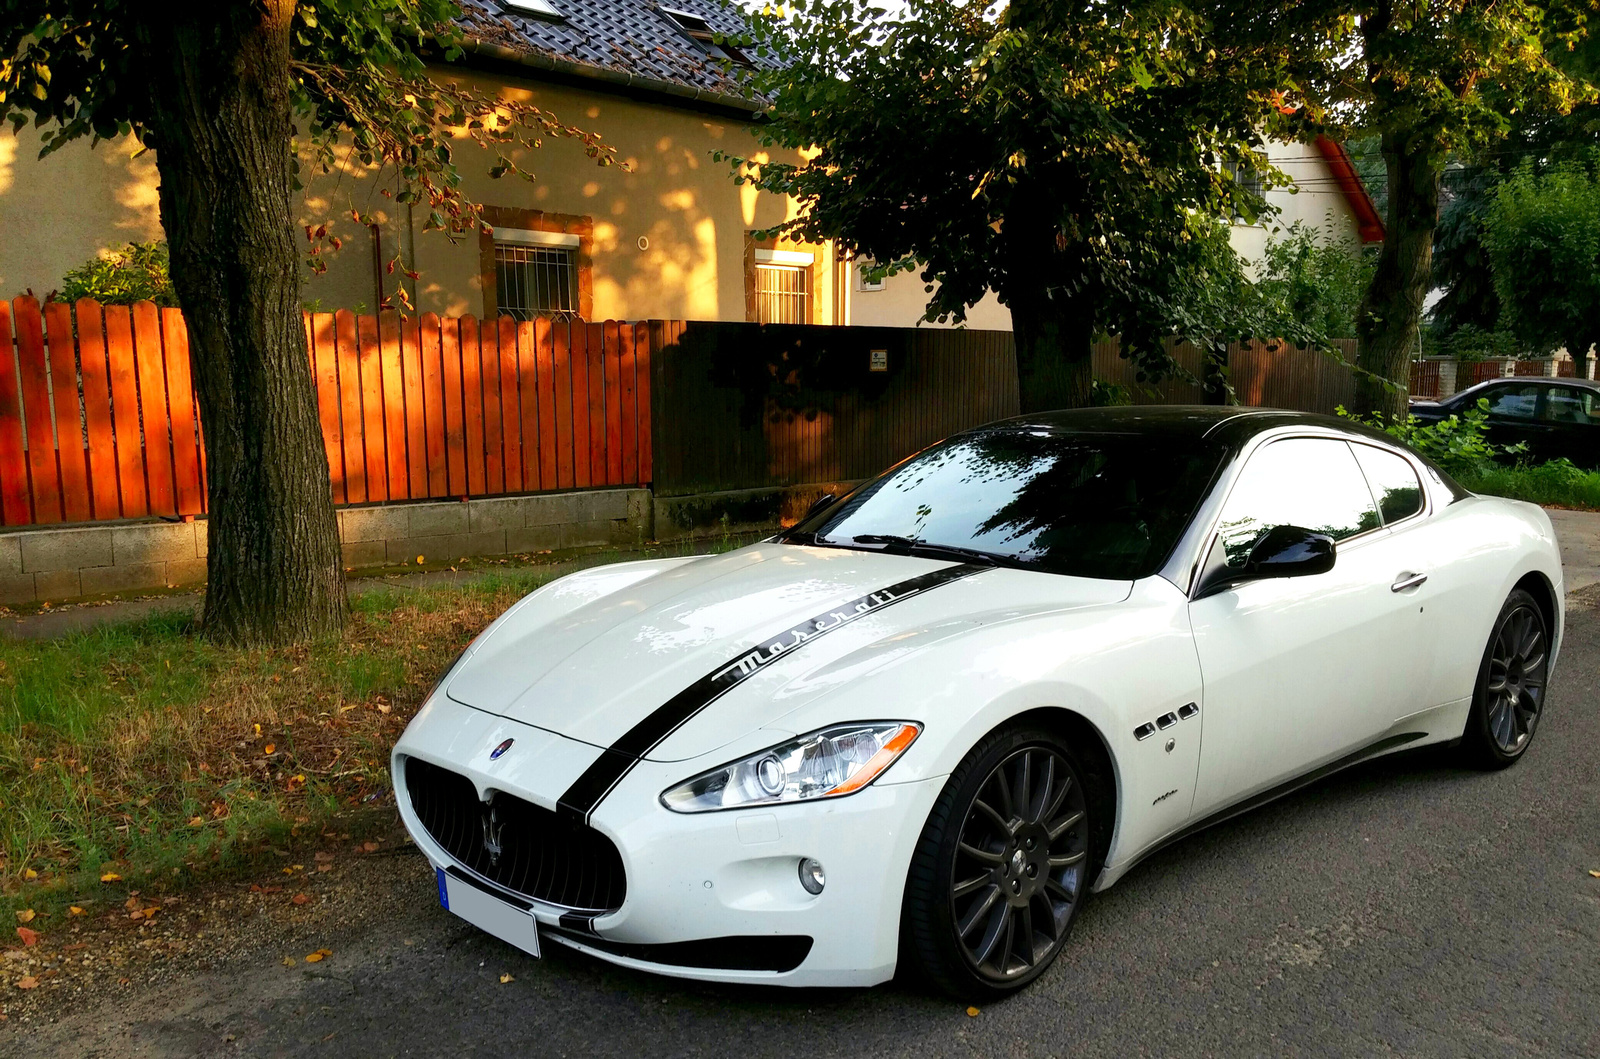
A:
(589, 658)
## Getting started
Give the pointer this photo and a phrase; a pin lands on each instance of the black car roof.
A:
(1517, 380)
(1228, 425)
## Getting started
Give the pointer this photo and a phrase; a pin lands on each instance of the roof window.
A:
(537, 8)
(700, 31)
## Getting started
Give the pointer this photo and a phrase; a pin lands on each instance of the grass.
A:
(142, 750)
(1554, 484)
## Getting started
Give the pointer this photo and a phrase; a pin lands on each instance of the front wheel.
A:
(1002, 866)
(1508, 699)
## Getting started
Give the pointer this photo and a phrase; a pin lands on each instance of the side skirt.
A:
(1255, 801)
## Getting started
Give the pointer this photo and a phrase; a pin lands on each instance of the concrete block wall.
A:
(66, 563)
(443, 532)
(71, 562)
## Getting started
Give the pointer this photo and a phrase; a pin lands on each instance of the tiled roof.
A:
(621, 38)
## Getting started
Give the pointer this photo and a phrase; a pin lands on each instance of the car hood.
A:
(592, 656)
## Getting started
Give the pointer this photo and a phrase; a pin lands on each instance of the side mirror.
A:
(1289, 551)
(1282, 551)
(818, 504)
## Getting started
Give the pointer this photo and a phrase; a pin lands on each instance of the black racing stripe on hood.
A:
(600, 778)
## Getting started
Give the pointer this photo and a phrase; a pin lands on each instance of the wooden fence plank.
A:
(125, 411)
(613, 357)
(433, 406)
(627, 366)
(561, 388)
(578, 365)
(188, 481)
(472, 403)
(510, 407)
(416, 408)
(394, 407)
(455, 335)
(372, 423)
(325, 368)
(493, 441)
(43, 479)
(102, 441)
(349, 362)
(15, 508)
(528, 403)
(150, 366)
(649, 339)
(545, 344)
(75, 506)
(595, 335)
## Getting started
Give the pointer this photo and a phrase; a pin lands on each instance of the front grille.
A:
(541, 855)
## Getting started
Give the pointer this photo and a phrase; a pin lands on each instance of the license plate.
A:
(488, 913)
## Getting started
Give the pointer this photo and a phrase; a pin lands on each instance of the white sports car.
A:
(924, 723)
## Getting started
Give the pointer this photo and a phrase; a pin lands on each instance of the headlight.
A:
(825, 764)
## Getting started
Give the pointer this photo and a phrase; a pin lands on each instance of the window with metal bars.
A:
(532, 281)
(783, 294)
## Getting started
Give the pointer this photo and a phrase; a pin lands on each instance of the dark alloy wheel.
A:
(1002, 866)
(1509, 697)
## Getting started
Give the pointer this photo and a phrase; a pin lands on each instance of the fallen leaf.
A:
(110, 876)
(27, 981)
(419, 560)
(25, 915)
(74, 910)
(1595, 873)
(29, 936)
(300, 899)
(383, 707)
(197, 821)
(289, 961)
(972, 1013)
(506, 978)
(369, 847)
(270, 748)
(322, 857)
(30, 874)
(314, 957)
(257, 727)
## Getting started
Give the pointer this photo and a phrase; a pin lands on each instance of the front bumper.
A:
(730, 876)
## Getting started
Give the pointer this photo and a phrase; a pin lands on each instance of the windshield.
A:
(1089, 505)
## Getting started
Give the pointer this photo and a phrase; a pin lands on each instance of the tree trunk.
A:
(220, 113)
(1054, 341)
(1389, 323)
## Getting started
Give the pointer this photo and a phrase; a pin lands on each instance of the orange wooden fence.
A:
(98, 417)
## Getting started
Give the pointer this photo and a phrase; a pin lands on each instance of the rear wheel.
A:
(1002, 866)
(1508, 699)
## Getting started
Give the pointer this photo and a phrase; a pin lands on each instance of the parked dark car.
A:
(1555, 417)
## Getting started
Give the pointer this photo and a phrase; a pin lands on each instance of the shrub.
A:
(137, 272)
(1459, 444)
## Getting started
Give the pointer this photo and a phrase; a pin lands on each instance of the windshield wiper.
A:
(926, 548)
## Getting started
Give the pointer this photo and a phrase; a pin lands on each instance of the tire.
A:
(987, 871)
(1508, 698)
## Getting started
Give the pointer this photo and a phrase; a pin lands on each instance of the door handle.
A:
(1408, 581)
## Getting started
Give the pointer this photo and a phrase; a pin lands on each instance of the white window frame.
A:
(530, 237)
(865, 285)
(537, 8)
(785, 257)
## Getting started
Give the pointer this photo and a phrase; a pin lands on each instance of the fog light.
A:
(811, 876)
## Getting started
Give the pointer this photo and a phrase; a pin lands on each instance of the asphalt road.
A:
(1405, 907)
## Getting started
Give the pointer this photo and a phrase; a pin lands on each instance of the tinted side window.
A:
(1394, 482)
(1563, 405)
(1516, 402)
(1313, 483)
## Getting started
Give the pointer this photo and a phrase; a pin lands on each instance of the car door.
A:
(1299, 671)
(1514, 416)
(1573, 422)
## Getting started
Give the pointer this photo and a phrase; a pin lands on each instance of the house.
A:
(669, 238)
